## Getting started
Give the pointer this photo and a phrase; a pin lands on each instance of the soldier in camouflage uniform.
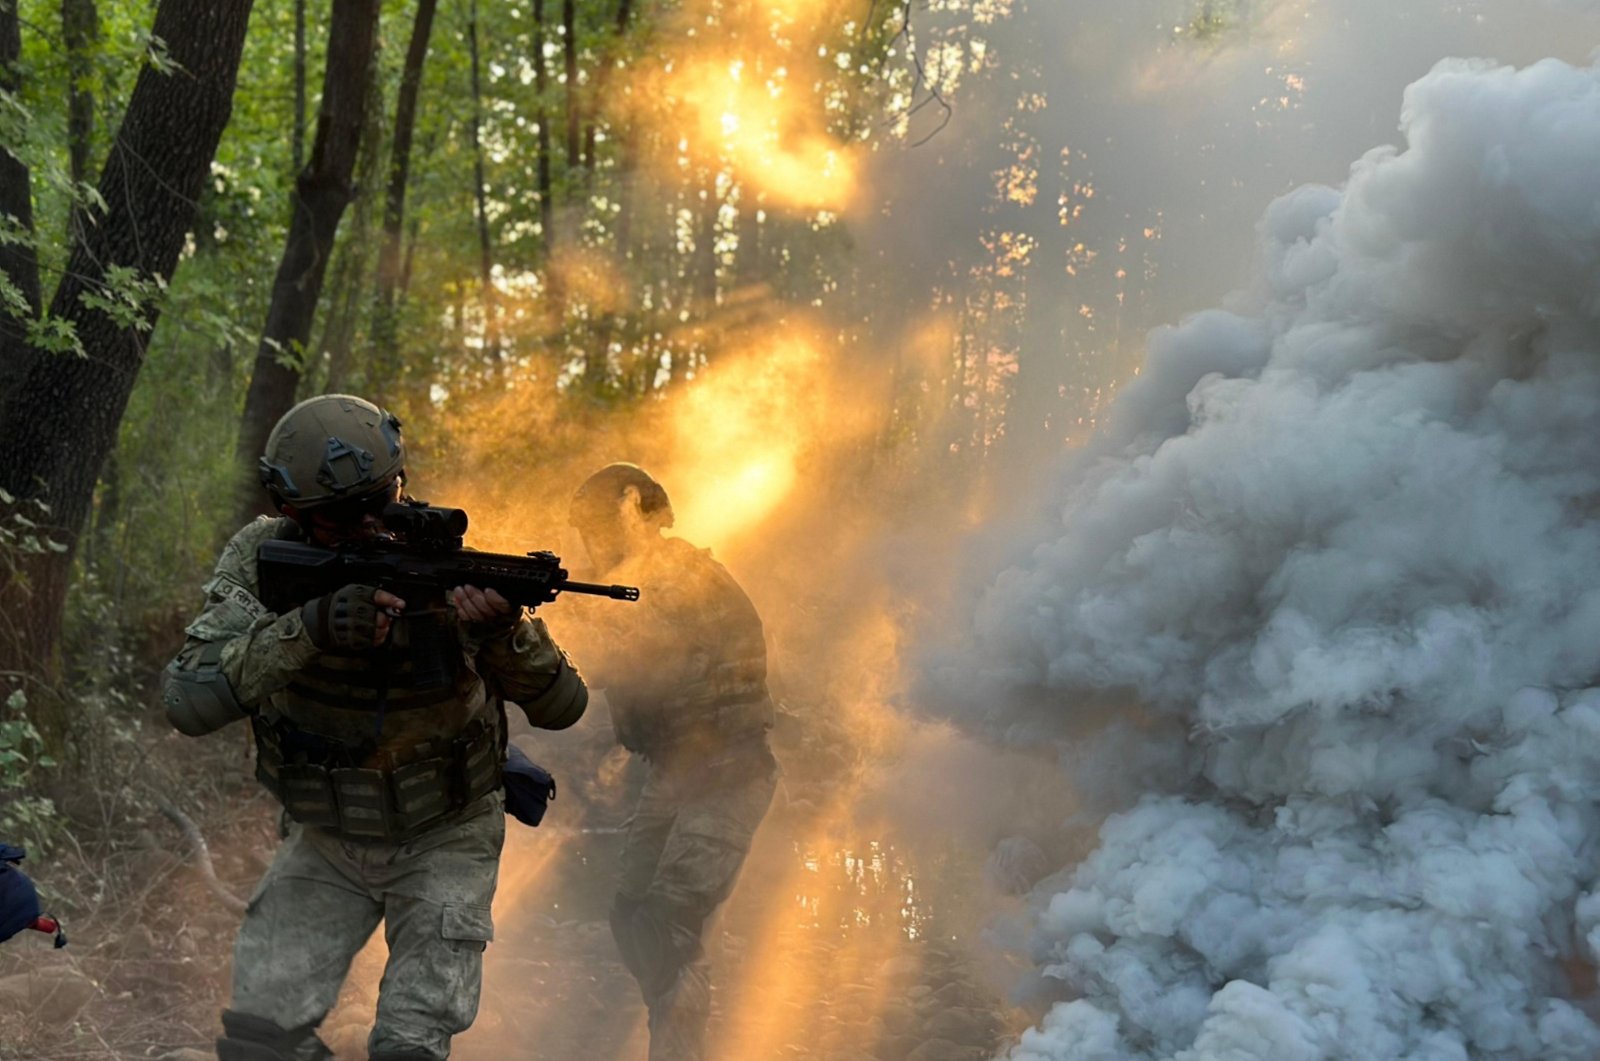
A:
(685, 675)
(389, 770)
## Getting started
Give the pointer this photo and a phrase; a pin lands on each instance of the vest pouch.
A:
(363, 800)
(422, 792)
(478, 763)
(307, 794)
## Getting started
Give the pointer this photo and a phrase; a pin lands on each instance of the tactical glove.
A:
(345, 620)
(480, 630)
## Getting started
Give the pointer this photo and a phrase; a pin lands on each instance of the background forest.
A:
(548, 235)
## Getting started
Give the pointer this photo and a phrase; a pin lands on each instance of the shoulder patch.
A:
(226, 590)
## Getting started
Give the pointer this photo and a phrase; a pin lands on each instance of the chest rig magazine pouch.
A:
(320, 785)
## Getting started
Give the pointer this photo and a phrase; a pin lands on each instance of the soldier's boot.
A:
(246, 1037)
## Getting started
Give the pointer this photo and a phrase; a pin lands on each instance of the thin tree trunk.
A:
(597, 362)
(80, 31)
(18, 260)
(322, 192)
(627, 178)
(413, 229)
(59, 423)
(748, 266)
(385, 327)
(299, 150)
(602, 79)
(491, 323)
(622, 242)
(350, 292)
(705, 248)
(541, 117)
(569, 51)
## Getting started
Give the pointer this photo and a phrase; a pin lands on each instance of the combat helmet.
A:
(329, 448)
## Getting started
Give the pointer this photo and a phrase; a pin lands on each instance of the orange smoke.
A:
(739, 432)
(752, 98)
(771, 134)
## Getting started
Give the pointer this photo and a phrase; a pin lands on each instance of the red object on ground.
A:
(45, 924)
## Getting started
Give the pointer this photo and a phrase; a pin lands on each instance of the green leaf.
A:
(54, 335)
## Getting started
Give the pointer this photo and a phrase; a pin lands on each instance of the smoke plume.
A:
(1341, 537)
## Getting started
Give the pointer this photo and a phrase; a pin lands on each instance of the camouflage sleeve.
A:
(256, 650)
(525, 665)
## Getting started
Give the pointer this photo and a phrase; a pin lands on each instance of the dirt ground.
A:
(848, 938)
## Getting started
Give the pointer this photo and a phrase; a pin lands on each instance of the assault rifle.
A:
(421, 557)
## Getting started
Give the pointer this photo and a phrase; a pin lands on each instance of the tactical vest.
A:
(381, 745)
(702, 685)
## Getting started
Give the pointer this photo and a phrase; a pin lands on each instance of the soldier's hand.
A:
(389, 609)
(476, 605)
(350, 619)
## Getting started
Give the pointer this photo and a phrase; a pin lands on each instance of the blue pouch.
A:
(529, 787)
(19, 902)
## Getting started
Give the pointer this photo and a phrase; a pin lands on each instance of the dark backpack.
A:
(529, 787)
(19, 900)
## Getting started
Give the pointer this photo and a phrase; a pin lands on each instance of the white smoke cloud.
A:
(1345, 534)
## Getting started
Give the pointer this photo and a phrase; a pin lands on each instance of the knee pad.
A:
(658, 945)
(246, 1037)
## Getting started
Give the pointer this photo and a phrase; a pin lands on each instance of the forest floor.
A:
(846, 939)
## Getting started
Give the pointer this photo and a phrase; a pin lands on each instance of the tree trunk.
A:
(541, 118)
(299, 143)
(18, 261)
(413, 230)
(705, 248)
(749, 267)
(60, 421)
(80, 31)
(385, 328)
(349, 294)
(491, 323)
(569, 51)
(622, 242)
(602, 78)
(322, 192)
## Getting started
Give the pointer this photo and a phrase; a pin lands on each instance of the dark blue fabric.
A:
(19, 902)
(8, 853)
(529, 787)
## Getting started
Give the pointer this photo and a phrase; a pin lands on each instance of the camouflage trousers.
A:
(322, 899)
(685, 845)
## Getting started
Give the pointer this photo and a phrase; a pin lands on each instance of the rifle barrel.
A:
(598, 590)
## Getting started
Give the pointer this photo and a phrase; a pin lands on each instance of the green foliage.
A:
(53, 335)
(127, 297)
(25, 817)
(21, 535)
